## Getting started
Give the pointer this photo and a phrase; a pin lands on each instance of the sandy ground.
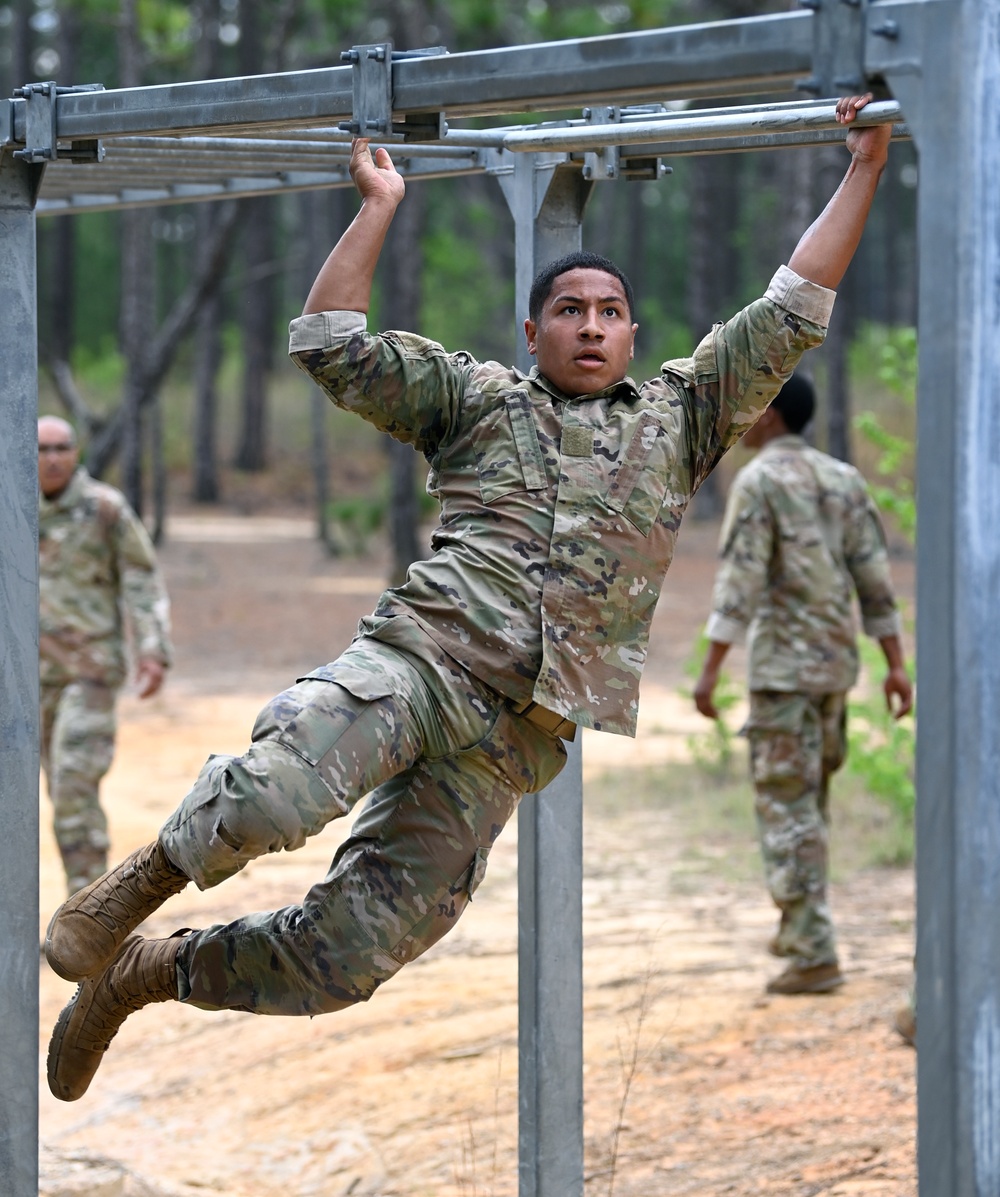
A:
(695, 1081)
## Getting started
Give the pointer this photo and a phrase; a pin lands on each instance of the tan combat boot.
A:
(816, 978)
(905, 1023)
(88, 929)
(144, 971)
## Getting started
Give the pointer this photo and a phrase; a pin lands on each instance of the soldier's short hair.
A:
(583, 259)
(796, 402)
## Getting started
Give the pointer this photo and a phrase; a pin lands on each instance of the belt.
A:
(548, 720)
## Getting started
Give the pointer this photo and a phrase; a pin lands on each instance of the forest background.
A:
(163, 330)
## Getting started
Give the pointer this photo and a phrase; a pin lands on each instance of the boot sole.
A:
(819, 987)
(55, 1049)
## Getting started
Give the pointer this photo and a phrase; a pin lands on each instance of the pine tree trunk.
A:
(258, 325)
(258, 296)
(834, 351)
(322, 214)
(400, 308)
(205, 486)
(706, 281)
(137, 287)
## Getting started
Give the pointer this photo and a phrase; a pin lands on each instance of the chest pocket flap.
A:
(640, 485)
(511, 457)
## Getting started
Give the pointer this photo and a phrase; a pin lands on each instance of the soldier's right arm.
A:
(745, 548)
(404, 384)
(344, 282)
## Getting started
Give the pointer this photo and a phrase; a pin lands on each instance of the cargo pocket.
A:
(312, 730)
(784, 738)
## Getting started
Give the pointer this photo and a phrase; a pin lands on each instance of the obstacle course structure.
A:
(937, 62)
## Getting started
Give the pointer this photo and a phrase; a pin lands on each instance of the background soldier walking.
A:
(800, 536)
(97, 571)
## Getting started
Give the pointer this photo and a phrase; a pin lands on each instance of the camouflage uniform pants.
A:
(445, 762)
(796, 742)
(77, 746)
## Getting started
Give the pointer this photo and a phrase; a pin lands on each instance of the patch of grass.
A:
(711, 824)
(713, 828)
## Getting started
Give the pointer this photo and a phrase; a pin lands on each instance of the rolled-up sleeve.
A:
(801, 297)
(406, 385)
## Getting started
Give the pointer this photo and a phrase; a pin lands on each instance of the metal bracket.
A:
(644, 170)
(603, 163)
(372, 102)
(41, 143)
(372, 76)
(838, 47)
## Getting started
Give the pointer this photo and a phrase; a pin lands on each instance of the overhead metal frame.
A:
(75, 150)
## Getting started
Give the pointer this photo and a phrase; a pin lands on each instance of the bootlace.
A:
(148, 877)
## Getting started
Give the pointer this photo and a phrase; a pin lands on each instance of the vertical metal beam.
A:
(547, 199)
(18, 682)
(953, 111)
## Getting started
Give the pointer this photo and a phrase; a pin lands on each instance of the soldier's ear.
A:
(531, 334)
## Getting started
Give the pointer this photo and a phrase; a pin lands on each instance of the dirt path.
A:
(414, 1094)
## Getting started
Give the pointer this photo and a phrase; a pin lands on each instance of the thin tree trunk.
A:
(258, 332)
(401, 309)
(835, 350)
(711, 274)
(320, 213)
(20, 70)
(158, 456)
(137, 294)
(258, 301)
(205, 487)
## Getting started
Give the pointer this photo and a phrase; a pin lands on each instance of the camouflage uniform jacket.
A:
(96, 562)
(558, 514)
(800, 536)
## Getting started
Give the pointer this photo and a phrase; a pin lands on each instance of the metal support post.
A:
(838, 46)
(547, 198)
(942, 61)
(18, 681)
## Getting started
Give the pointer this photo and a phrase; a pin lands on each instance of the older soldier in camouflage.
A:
(561, 492)
(97, 571)
(800, 537)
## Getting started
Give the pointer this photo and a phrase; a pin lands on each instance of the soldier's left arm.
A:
(741, 366)
(144, 600)
(826, 248)
(867, 559)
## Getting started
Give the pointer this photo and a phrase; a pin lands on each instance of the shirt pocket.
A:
(508, 455)
(639, 487)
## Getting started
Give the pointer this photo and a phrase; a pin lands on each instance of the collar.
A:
(625, 388)
(68, 497)
(790, 440)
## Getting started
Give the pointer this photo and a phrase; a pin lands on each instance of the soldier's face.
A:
(57, 456)
(584, 338)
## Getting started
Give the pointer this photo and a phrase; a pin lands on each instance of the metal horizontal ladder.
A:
(65, 150)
